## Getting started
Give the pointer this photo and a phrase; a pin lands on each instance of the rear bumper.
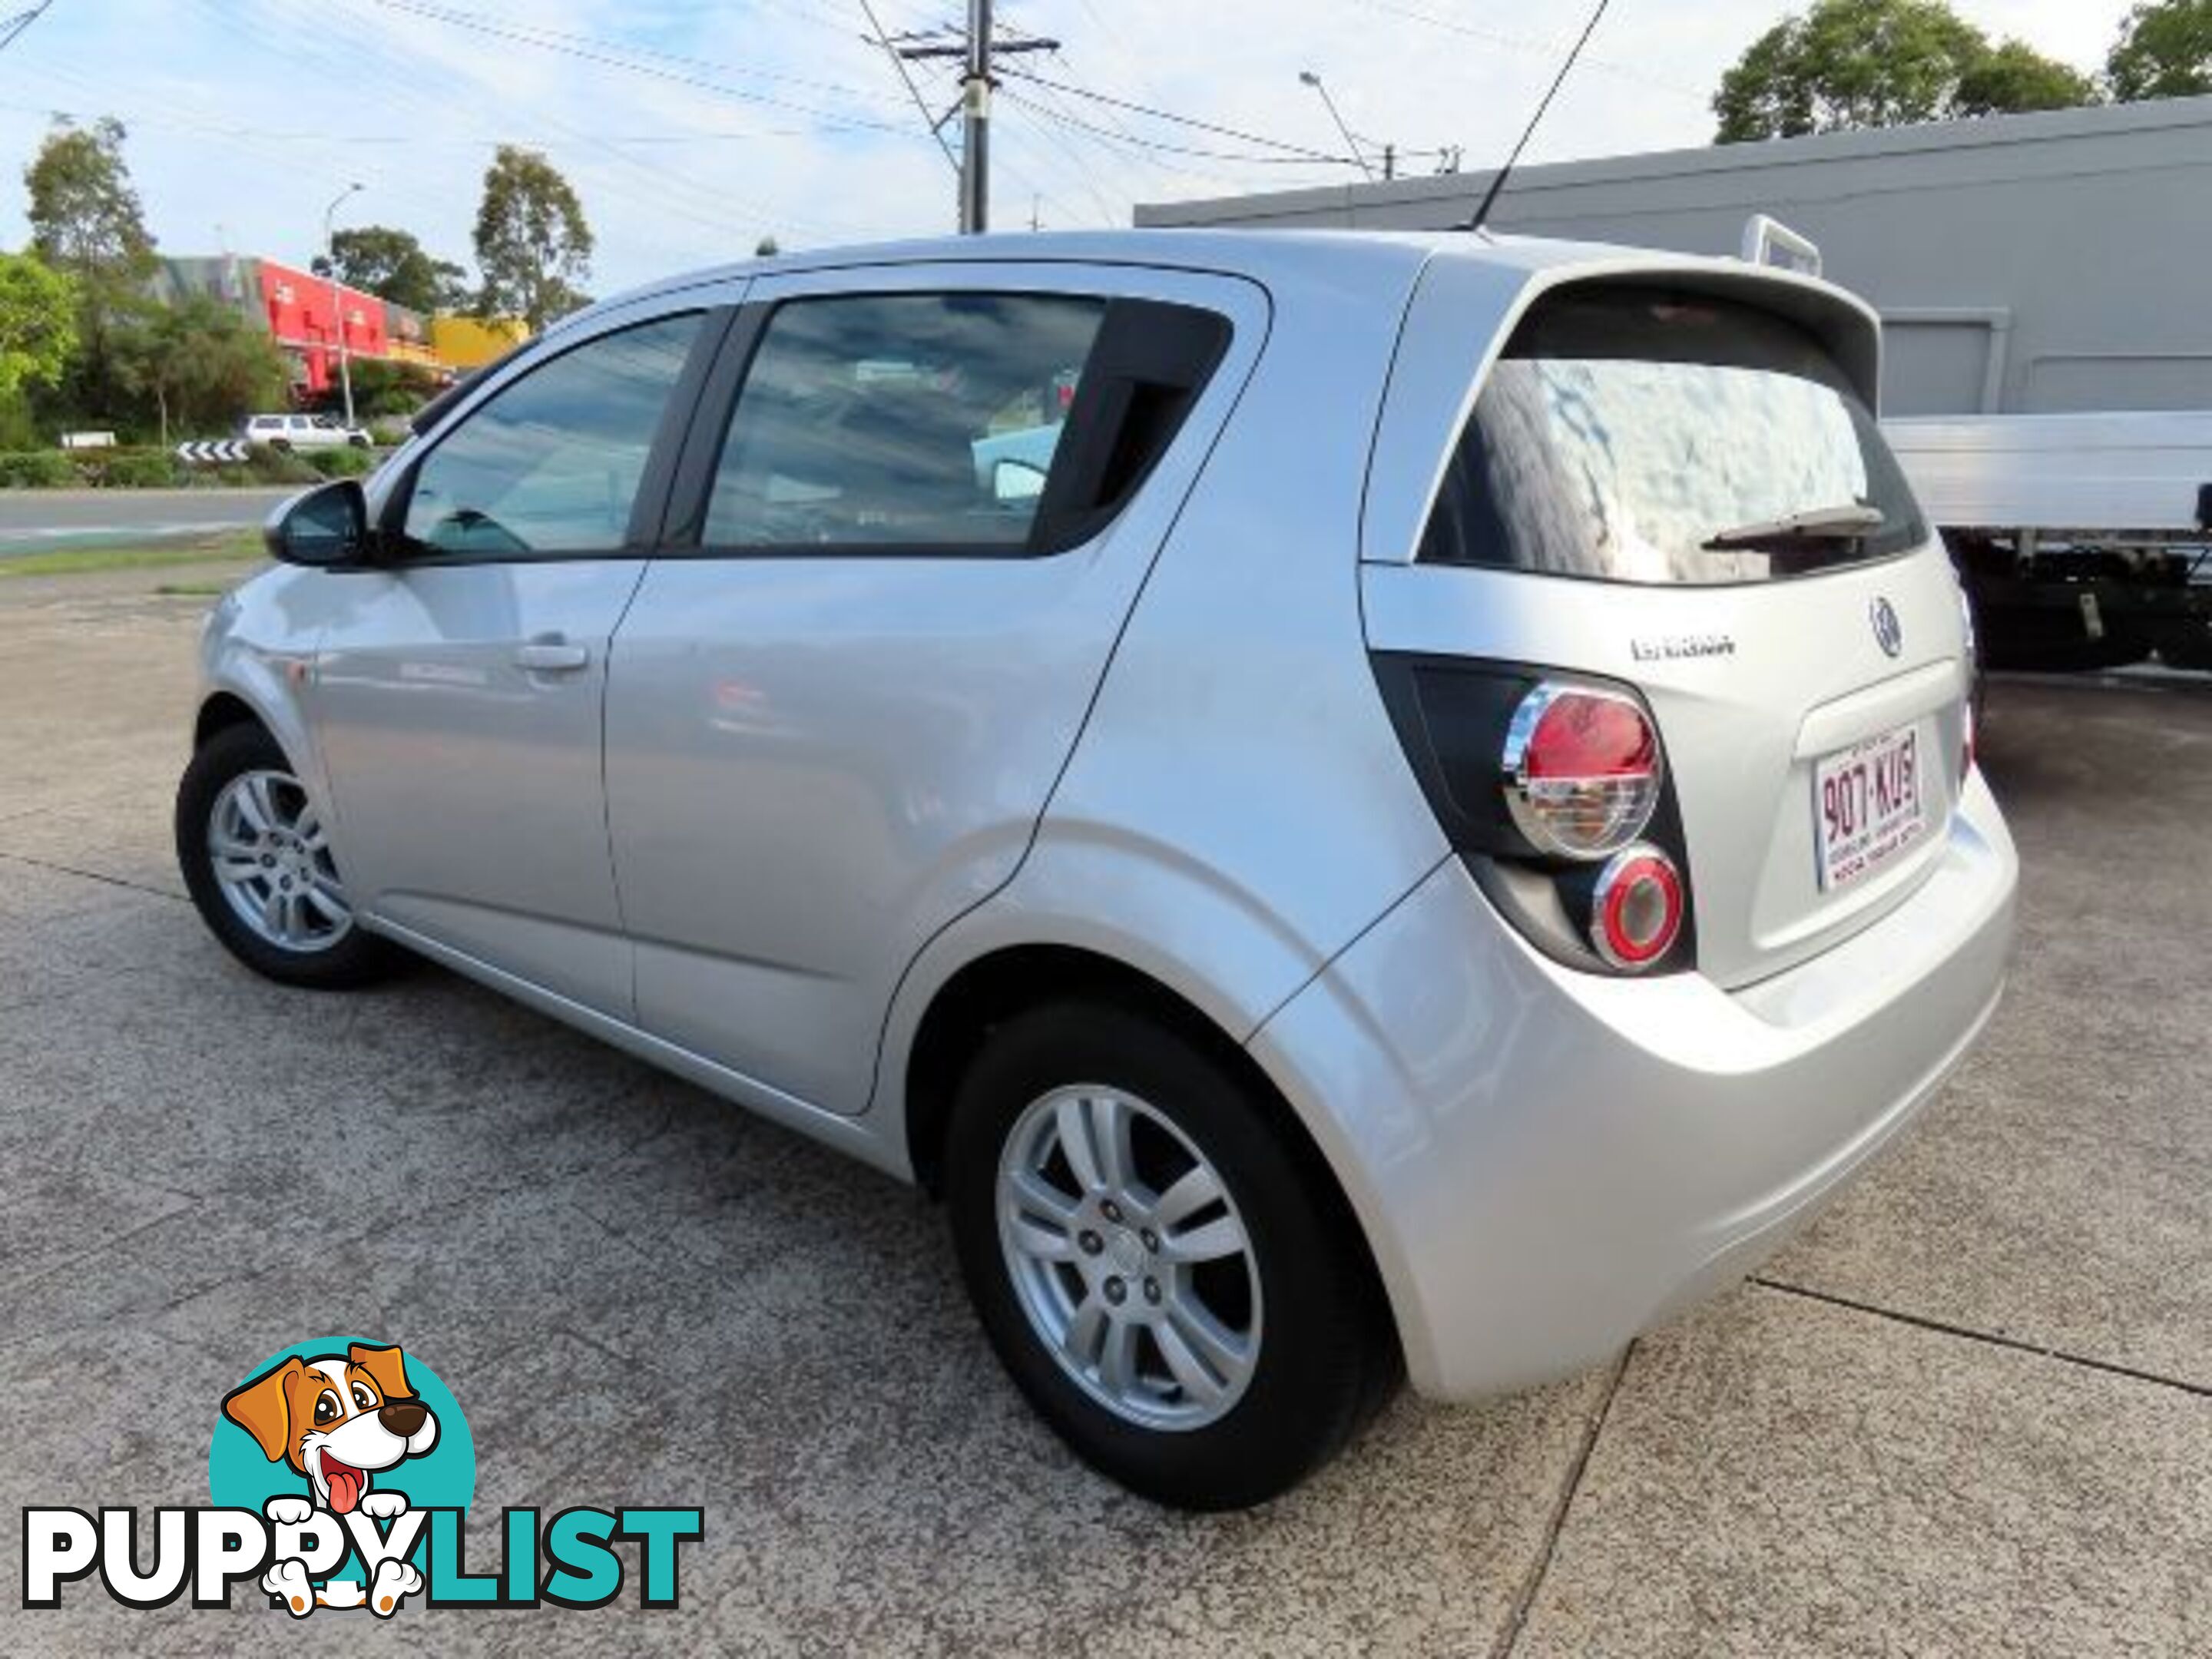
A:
(1547, 1162)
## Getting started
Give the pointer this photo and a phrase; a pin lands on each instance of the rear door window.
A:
(903, 420)
(1632, 434)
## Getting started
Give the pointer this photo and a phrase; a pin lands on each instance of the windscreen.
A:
(1632, 435)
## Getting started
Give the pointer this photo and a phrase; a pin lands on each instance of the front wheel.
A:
(257, 859)
(1172, 1286)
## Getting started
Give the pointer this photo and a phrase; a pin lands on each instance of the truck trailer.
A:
(2047, 366)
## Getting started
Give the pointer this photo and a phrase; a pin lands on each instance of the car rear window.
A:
(1635, 434)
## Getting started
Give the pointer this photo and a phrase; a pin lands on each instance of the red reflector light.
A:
(1635, 910)
(1582, 771)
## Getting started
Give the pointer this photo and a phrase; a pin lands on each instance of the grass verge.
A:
(77, 560)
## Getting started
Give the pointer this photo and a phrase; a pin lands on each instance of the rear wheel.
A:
(1165, 1280)
(257, 859)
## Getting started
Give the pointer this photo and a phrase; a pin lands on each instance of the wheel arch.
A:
(993, 988)
(219, 711)
(248, 689)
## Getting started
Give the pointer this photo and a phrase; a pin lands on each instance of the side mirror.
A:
(327, 525)
(1016, 481)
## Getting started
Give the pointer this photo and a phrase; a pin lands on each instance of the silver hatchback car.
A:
(1358, 805)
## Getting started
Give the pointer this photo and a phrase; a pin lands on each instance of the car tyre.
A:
(358, 442)
(316, 944)
(1323, 1358)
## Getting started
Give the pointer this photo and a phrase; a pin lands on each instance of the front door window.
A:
(552, 463)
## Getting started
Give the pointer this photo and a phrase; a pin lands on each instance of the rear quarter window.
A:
(1634, 434)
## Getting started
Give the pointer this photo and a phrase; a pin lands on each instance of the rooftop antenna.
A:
(1498, 181)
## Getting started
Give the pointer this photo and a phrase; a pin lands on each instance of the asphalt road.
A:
(41, 520)
(1969, 1411)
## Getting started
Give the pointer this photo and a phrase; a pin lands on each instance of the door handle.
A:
(551, 655)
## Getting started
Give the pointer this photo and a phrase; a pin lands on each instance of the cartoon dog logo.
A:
(338, 1420)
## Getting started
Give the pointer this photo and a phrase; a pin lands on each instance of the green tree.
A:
(532, 244)
(766, 248)
(86, 223)
(1847, 63)
(384, 389)
(392, 265)
(202, 366)
(38, 324)
(2165, 50)
(2014, 76)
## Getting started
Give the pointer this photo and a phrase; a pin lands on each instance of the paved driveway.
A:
(1970, 1412)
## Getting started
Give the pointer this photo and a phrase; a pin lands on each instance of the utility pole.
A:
(1312, 78)
(338, 297)
(975, 84)
(975, 124)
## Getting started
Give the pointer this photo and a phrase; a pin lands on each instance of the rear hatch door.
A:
(1686, 492)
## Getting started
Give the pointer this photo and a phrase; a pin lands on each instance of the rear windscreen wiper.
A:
(1844, 522)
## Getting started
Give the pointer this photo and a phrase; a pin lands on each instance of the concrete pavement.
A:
(1970, 1412)
(43, 520)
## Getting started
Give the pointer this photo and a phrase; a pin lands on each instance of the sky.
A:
(693, 128)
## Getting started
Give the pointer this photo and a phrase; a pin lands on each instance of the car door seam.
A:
(1091, 704)
(606, 799)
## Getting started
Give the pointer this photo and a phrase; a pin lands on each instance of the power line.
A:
(1191, 121)
(1314, 159)
(1126, 146)
(906, 75)
(609, 58)
(711, 207)
(400, 140)
(22, 20)
(1072, 162)
(1127, 150)
(1523, 43)
(633, 50)
(392, 60)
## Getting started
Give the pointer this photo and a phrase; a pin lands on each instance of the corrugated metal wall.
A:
(2030, 263)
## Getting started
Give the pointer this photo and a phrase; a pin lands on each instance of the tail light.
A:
(1636, 909)
(1582, 772)
(1553, 789)
(1970, 647)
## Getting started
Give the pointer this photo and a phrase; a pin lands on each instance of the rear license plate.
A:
(1867, 806)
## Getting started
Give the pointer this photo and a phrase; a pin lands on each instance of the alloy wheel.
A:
(272, 858)
(1129, 1257)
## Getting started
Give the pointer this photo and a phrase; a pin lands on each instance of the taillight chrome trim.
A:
(1636, 862)
(1521, 789)
(1971, 664)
